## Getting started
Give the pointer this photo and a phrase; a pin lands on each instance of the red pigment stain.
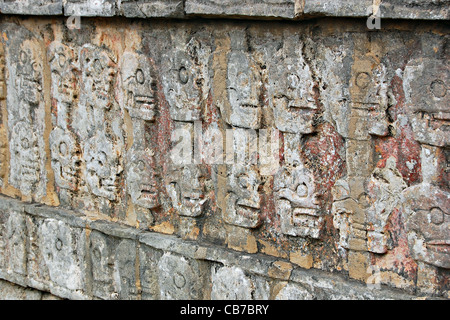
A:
(402, 146)
(325, 155)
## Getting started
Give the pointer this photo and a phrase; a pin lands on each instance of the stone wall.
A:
(218, 158)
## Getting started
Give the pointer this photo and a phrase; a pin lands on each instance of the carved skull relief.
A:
(297, 203)
(292, 92)
(426, 93)
(29, 71)
(187, 190)
(25, 166)
(183, 83)
(244, 87)
(65, 158)
(142, 184)
(98, 72)
(139, 86)
(427, 216)
(243, 201)
(103, 166)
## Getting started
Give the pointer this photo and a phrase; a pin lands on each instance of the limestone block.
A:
(103, 166)
(252, 8)
(181, 278)
(32, 7)
(185, 78)
(57, 253)
(292, 291)
(291, 89)
(26, 113)
(415, 9)
(90, 8)
(243, 201)
(348, 8)
(427, 97)
(426, 210)
(148, 272)
(151, 8)
(113, 266)
(297, 203)
(15, 242)
(231, 283)
(187, 190)
(138, 86)
(141, 178)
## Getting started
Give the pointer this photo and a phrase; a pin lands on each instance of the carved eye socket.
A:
(140, 78)
(302, 190)
(141, 165)
(58, 244)
(61, 60)
(437, 216)
(293, 81)
(183, 75)
(101, 158)
(23, 56)
(97, 66)
(25, 143)
(438, 88)
(35, 66)
(243, 182)
(63, 149)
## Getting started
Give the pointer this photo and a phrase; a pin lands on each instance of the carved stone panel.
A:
(243, 199)
(427, 97)
(15, 238)
(297, 203)
(141, 178)
(63, 250)
(180, 277)
(292, 89)
(139, 86)
(184, 79)
(427, 218)
(103, 166)
(187, 190)
(244, 87)
(66, 158)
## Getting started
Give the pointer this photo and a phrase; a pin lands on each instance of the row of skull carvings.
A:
(84, 83)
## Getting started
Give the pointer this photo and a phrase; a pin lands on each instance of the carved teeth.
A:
(249, 106)
(441, 246)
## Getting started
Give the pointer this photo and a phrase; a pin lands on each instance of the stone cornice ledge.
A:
(241, 9)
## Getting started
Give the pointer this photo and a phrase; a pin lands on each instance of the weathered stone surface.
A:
(108, 131)
(180, 277)
(86, 8)
(352, 8)
(151, 8)
(414, 9)
(32, 7)
(267, 8)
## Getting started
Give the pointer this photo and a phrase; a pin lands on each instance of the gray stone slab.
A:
(415, 9)
(151, 8)
(252, 8)
(90, 8)
(347, 8)
(32, 7)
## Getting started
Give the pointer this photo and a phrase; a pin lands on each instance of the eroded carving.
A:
(185, 81)
(292, 89)
(62, 248)
(66, 158)
(25, 158)
(142, 183)
(139, 86)
(297, 202)
(103, 166)
(187, 190)
(243, 200)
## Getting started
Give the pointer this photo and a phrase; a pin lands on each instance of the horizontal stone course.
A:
(251, 9)
(320, 284)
